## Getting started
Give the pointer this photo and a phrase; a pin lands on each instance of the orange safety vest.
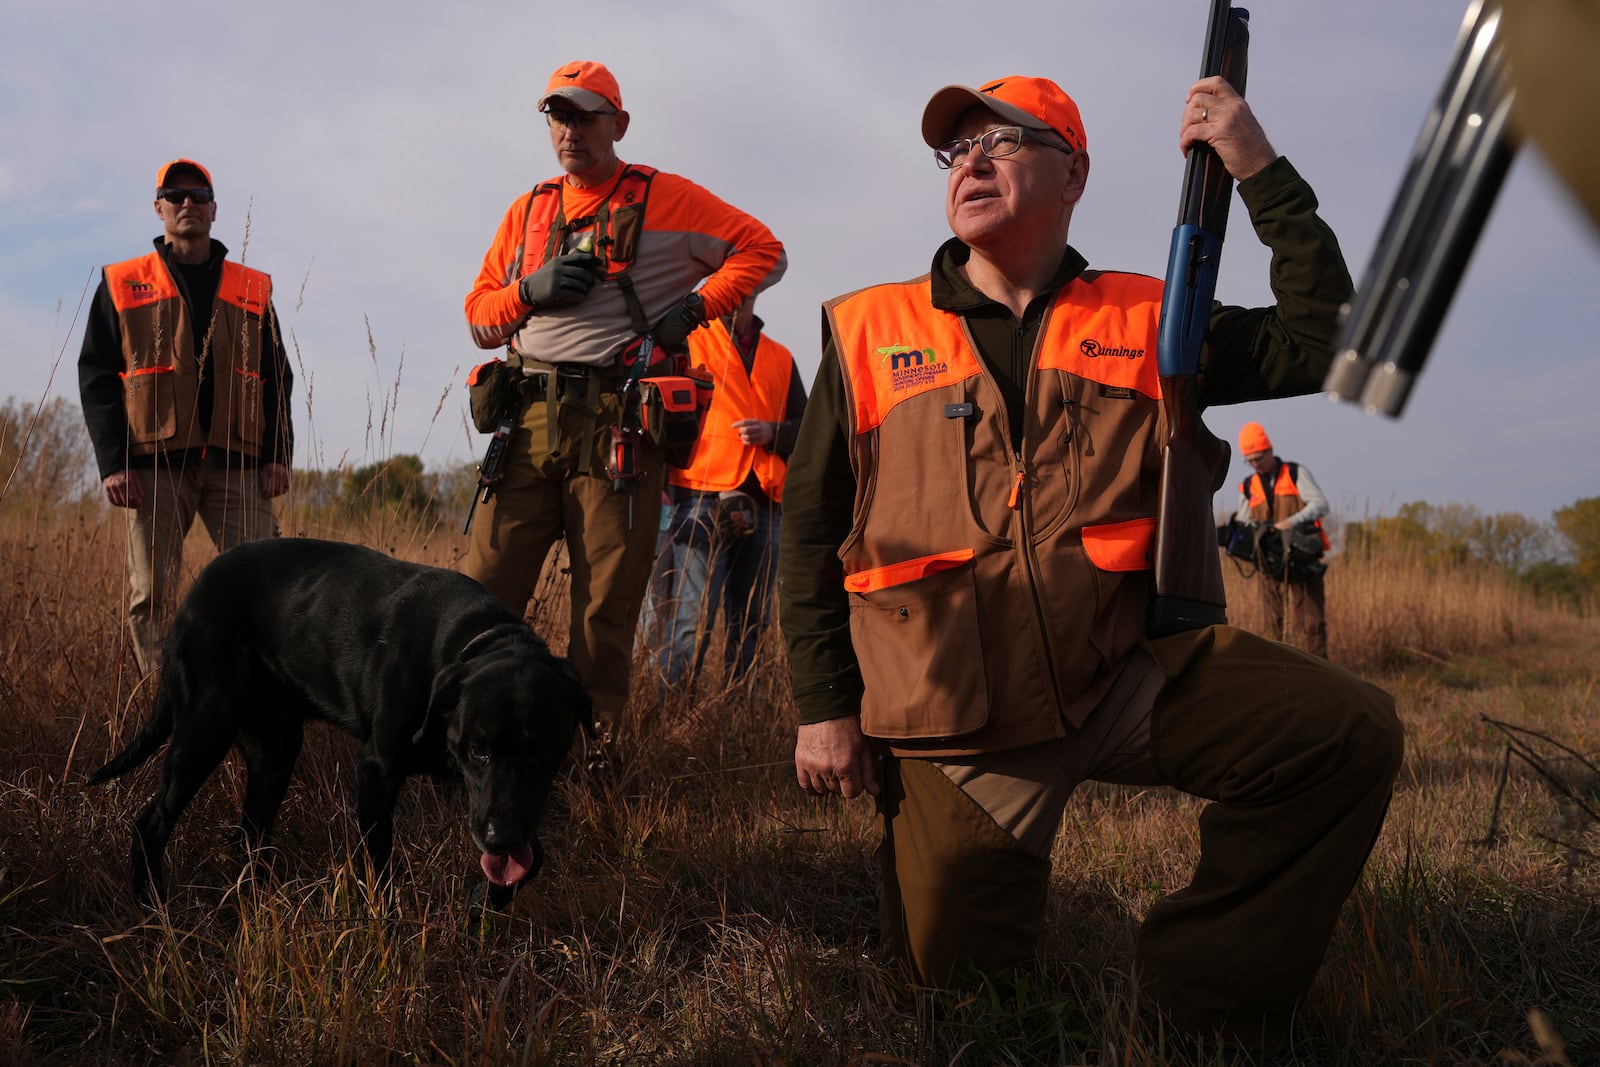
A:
(720, 461)
(994, 593)
(1286, 499)
(161, 384)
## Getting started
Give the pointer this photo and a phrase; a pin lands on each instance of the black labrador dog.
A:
(423, 665)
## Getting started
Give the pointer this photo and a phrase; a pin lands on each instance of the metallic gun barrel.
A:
(1456, 169)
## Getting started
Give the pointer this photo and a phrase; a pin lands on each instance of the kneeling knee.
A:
(1374, 740)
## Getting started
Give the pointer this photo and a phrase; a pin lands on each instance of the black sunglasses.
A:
(178, 196)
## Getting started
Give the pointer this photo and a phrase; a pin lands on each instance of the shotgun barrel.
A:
(1456, 169)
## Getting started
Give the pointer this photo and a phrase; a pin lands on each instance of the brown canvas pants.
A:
(543, 498)
(1296, 612)
(230, 504)
(1298, 758)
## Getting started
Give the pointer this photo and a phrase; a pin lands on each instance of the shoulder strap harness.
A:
(617, 245)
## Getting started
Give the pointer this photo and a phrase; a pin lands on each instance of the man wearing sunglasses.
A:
(965, 579)
(590, 283)
(185, 389)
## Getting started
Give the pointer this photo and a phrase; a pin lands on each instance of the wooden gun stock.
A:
(1188, 571)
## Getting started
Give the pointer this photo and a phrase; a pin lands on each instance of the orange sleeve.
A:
(494, 307)
(741, 254)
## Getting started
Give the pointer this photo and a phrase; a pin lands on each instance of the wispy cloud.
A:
(372, 154)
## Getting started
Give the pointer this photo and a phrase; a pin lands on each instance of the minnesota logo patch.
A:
(910, 367)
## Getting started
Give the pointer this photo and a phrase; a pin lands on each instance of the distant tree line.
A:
(46, 461)
(1559, 559)
(400, 485)
(45, 455)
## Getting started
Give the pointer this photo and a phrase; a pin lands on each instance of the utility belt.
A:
(671, 403)
(574, 384)
(579, 385)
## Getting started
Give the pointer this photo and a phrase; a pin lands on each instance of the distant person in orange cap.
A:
(185, 389)
(583, 268)
(1285, 496)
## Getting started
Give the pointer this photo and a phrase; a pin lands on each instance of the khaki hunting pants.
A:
(1296, 612)
(230, 504)
(1298, 758)
(543, 498)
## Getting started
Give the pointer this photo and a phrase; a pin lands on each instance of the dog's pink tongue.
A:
(508, 869)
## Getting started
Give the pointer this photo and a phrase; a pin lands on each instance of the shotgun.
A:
(1194, 462)
(489, 471)
(1456, 168)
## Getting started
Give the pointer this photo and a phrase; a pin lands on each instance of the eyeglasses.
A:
(178, 196)
(581, 119)
(997, 143)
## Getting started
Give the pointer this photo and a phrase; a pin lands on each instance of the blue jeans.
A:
(700, 570)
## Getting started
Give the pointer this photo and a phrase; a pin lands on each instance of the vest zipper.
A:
(1025, 535)
(1041, 618)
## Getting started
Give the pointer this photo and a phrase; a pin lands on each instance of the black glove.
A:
(676, 325)
(561, 282)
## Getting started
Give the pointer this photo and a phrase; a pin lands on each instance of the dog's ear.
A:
(447, 683)
(446, 692)
(479, 643)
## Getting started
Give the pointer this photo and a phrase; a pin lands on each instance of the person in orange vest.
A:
(583, 269)
(966, 577)
(720, 547)
(1286, 496)
(185, 388)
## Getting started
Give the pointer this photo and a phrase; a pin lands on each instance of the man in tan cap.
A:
(1285, 496)
(965, 579)
(591, 283)
(185, 389)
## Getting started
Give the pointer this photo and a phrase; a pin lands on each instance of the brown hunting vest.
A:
(161, 382)
(993, 592)
(1284, 502)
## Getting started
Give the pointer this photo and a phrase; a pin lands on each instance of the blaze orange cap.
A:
(166, 171)
(589, 86)
(1253, 439)
(1036, 103)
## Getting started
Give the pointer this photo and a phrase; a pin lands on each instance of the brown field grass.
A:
(699, 909)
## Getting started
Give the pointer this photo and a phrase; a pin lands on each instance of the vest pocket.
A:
(148, 400)
(627, 222)
(915, 626)
(1121, 546)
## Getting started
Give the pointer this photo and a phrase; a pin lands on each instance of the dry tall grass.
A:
(701, 910)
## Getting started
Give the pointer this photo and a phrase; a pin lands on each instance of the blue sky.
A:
(364, 153)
